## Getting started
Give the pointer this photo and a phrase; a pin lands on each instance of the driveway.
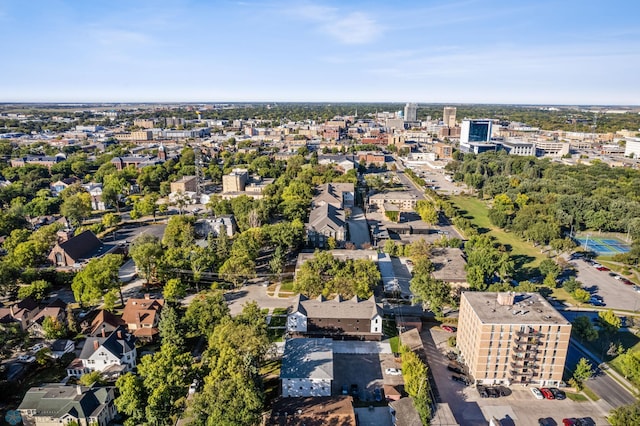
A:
(358, 347)
(358, 229)
(249, 293)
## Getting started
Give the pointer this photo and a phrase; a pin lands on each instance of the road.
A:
(603, 385)
(444, 225)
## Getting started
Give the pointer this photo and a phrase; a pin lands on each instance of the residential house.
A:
(95, 191)
(205, 227)
(307, 368)
(60, 347)
(59, 186)
(101, 322)
(326, 222)
(21, 313)
(142, 317)
(337, 318)
(75, 249)
(56, 310)
(54, 403)
(340, 195)
(404, 413)
(111, 355)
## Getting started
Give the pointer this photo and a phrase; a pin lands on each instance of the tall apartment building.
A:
(236, 181)
(512, 338)
(449, 116)
(185, 184)
(410, 112)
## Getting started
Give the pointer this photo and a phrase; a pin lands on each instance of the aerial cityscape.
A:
(319, 213)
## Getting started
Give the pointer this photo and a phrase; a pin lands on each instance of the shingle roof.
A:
(308, 359)
(82, 245)
(118, 346)
(326, 216)
(337, 308)
(55, 400)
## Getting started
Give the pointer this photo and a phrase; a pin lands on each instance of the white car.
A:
(393, 371)
(536, 392)
(193, 387)
(38, 347)
(26, 358)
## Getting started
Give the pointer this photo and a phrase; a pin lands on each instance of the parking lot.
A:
(367, 371)
(519, 408)
(614, 293)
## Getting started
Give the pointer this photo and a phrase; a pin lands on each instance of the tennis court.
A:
(604, 246)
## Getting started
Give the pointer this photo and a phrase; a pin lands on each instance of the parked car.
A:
(452, 355)
(536, 392)
(455, 367)
(504, 391)
(377, 394)
(602, 268)
(483, 392)
(448, 328)
(393, 371)
(547, 393)
(636, 288)
(38, 347)
(547, 421)
(569, 421)
(626, 281)
(493, 392)
(193, 386)
(28, 359)
(558, 394)
(460, 379)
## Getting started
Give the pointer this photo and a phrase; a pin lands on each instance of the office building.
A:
(512, 338)
(185, 184)
(449, 116)
(410, 112)
(475, 131)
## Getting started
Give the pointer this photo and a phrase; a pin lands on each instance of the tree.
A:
(584, 329)
(609, 322)
(53, 328)
(98, 276)
(548, 266)
(434, 293)
(550, 280)
(133, 398)
(36, 290)
(427, 212)
(179, 232)
(205, 311)
(110, 299)
(76, 208)
(146, 251)
(170, 327)
(110, 220)
(89, 379)
(174, 290)
(571, 285)
(583, 371)
(236, 269)
(629, 363)
(625, 415)
(581, 295)
(416, 382)
(276, 264)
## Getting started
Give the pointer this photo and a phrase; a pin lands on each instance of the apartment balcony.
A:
(529, 351)
(528, 366)
(527, 341)
(518, 373)
(528, 357)
(529, 334)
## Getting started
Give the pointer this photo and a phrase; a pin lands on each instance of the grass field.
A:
(524, 253)
(577, 397)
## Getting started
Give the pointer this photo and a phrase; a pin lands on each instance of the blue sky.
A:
(491, 51)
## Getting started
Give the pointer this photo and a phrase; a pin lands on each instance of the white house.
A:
(112, 355)
(307, 368)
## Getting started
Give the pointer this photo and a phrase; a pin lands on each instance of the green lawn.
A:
(590, 394)
(287, 286)
(394, 342)
(577, 397)
(525, 254)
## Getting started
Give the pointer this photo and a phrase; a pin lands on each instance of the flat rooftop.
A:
(528, 308)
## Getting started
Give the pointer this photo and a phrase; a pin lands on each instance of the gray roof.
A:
(326, 216)
(355, 308)
(117, 346)
(56, 400)
(307, 359)
(406, 414)
(528, 308)
(81, 246)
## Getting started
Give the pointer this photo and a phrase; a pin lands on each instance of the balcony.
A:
(529, 357)
(528, 366)
(530, 333)
(531, 350)
(518, 373)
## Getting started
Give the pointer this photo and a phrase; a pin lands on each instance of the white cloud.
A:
(344, 27)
